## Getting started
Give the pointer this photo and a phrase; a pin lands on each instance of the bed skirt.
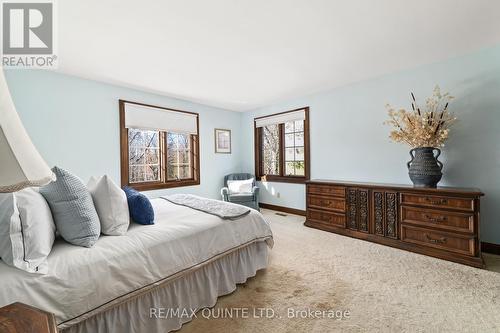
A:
(168, 304)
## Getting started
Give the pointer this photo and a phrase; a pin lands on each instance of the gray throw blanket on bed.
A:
(222, 209)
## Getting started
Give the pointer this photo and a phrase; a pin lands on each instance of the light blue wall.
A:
(74, 124)
(350, 142)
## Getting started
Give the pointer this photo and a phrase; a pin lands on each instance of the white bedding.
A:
(82, 279)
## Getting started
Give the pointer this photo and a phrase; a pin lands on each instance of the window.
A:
(144, 156)
(159, 147)
(282, 146)
(294, 148)
(178, 156)
(271, 149)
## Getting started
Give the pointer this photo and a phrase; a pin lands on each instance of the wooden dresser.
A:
(441, 222)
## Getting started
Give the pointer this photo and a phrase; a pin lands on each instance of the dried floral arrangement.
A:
(428, 127)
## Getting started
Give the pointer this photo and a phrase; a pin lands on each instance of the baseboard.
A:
(490, 248)
(283, 209)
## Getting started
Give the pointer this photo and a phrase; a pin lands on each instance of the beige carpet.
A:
(384, 289)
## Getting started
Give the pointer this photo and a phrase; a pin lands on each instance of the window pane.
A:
(299, 168)
(171, 139)
(172, 166)
(179, 164)
(183, 141)
(185, 172)
(136, 173)
(151, 172)
(151, 156)
(289, 169)
(270, 149)
(271, 167)
(132, 156)
(135, 138)
(289, 142)
(295, 168)
(299, 153)
(299, 139)
(299, 126)
(144, 155)
(171, 172)
(151, 139)
(289, 128)
(184, 157)
(139, 156)
(289, 154)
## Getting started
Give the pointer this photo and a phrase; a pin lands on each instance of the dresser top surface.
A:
(401, 187)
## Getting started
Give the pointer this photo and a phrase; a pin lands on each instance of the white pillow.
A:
(240, 186)
(111, 204)
(27, 230)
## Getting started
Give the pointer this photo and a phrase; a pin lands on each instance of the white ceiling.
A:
(240, 55)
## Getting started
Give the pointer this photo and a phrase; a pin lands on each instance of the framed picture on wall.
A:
(222, 141)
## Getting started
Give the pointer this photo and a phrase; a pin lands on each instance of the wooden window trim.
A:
(163, 183)
(281, 178)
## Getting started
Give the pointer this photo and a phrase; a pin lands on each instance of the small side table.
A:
(22, 318)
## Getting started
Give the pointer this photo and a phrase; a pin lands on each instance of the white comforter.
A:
(81, 279)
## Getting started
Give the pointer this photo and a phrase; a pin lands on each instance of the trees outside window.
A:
(282, 149)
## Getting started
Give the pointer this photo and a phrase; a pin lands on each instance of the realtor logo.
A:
(28, 34)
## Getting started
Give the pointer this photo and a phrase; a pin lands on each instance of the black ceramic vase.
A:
(425, 168)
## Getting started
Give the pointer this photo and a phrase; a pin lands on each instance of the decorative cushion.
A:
(240, 186)
(111, 204)
(72, 208)
(140, 208)
(27, 230)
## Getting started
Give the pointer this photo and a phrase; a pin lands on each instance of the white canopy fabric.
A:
(20, 163)
(151, 118)
(280, 118)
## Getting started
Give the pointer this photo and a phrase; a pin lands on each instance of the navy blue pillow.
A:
(140, 208)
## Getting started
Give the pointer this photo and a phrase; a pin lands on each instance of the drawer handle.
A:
(436, 241)
(436, 219)
(436, 202)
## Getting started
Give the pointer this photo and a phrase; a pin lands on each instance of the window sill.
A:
(162, 186)
(283, 179)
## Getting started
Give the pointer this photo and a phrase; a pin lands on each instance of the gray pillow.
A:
(72, 208)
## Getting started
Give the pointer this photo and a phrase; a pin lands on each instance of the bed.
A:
(184, 261)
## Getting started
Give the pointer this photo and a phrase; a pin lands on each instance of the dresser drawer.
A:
(452, 221)
(438, 240)
(438, 201)
(330, 203)
(331, 218)
(337, 191)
